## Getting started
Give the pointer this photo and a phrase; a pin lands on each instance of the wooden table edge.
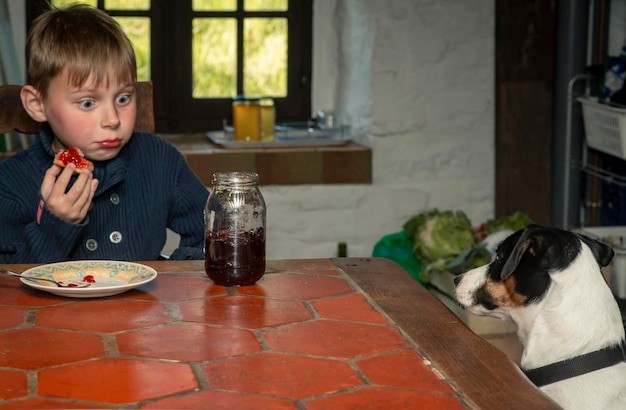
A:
(478, 369)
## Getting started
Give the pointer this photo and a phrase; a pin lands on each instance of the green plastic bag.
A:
(399, 248)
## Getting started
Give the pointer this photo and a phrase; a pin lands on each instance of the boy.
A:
(81, 76)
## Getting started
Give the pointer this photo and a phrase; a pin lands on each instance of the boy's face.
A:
(98, 119)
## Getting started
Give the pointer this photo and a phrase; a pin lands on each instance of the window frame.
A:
(176, 111)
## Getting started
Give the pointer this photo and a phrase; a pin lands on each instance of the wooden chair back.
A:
(13, 117)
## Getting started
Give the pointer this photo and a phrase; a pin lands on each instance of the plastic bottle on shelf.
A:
(613, 76)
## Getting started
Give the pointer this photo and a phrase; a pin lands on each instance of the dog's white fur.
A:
(577, 315)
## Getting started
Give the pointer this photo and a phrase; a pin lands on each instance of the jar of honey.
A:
(247, 118)
(268, 119)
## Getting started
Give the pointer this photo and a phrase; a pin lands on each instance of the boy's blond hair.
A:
(84, 41)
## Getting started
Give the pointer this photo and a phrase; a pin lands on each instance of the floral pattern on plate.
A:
(111, 277)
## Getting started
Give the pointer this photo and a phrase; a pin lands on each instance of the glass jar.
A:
(268, 119)
(234, 216)
(247, 118)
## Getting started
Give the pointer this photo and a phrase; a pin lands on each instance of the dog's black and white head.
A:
(548, 281)
(523, 269)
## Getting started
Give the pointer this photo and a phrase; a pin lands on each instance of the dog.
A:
(549, 282)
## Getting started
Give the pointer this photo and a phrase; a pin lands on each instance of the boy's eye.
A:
(86, 104)
(123, 99)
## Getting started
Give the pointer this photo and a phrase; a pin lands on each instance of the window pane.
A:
(108, 4)
(273, 5)
(62, 3)
(137, 30)
(265, 57)
(214, 57)
(214, 5)
(127, 4)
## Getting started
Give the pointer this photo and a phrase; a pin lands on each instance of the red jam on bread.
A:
(74, 156)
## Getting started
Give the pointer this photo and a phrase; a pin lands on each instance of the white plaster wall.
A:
(415, 79)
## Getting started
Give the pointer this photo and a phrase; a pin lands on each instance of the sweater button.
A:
(115, 237)
(114, 198)
(91, 244)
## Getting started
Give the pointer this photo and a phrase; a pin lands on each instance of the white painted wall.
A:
(415, 79)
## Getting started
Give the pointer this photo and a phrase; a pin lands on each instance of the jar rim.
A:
(236, 178)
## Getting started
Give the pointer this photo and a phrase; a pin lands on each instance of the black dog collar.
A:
(577, 365)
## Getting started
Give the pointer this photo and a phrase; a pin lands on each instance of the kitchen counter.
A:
(350, 163)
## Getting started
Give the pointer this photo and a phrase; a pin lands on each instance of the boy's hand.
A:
(72, 205)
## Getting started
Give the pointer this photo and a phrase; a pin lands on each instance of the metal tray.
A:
(285, 137)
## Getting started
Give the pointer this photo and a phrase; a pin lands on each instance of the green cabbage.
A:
(439, 238)
(447, 242)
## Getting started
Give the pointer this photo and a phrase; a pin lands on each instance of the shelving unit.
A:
(569, 163)
(605, 131)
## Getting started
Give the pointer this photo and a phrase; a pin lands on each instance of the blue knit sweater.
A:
(147, 188)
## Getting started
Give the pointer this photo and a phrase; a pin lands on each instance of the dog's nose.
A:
(457, 279)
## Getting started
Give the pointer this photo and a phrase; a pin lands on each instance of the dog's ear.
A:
(601, 251)
(523, 244)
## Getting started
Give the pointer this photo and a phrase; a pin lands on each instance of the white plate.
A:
(112, 277)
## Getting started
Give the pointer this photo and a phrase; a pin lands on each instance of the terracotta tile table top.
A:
(312, 334)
